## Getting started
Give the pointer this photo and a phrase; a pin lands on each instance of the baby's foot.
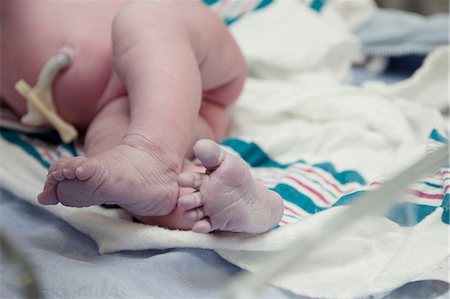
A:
(141, 181)
(227, 197)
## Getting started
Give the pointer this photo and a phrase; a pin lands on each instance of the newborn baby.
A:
(149, 84)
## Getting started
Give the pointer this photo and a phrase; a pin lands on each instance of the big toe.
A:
(48, 195)
(209, 153)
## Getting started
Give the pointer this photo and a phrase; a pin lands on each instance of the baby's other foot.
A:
(227, 197)
(140, 181)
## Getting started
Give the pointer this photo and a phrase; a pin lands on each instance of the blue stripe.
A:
(263, 4)
(446, 206)
(431, 185)
(230, 21)
(49, 137)
(437, 137)
(318, 4)
(400, 213)
(409, 214)
(291, 216)
(348, 199)
(210, 2)
(14, 138)
(343, 177)
(70, 148)
(256, 157)
(292, 195)
(252, 154)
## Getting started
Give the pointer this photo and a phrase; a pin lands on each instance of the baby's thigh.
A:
(78, 90)
(217, 118)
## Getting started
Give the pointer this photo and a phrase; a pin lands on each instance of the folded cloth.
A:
(292, 42)
(428, 85)
(395, 33)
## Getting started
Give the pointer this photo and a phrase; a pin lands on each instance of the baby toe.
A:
(209, 153)
(86, 169)
(69, 168)
(48, 195)
(190, 179)
(194, 215)
(190, 201)
(203, 226)
(58, 175)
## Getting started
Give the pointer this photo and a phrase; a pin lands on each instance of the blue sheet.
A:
(68, 265)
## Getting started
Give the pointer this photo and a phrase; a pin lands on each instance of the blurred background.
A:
(425, 7)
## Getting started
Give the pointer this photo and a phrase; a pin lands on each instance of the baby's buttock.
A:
(34, 31)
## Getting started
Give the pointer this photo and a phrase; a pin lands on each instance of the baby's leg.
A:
(90, 180)
(227, 197)
(164, 57)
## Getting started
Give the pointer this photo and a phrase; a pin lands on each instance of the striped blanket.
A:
(308, 189)
(311, 188)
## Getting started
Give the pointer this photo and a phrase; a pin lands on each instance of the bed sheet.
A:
(68, 265)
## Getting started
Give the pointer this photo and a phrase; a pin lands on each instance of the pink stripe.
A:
(284, 222)
(292, 211)
(323, 178)
(424, 195)
(446, 188)
(320, 196)
(48, 156)
(265, 182)
(247, 7)
(445, 172)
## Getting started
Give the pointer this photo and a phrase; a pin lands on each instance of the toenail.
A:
(65, 169)
(79, 169)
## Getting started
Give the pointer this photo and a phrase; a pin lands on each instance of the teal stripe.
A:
(432, 185)
(14, 138)
(51, 137)
(343, 177)
(318, 4)
(293, 196)
(348, 199)
(70, 148)
(263, 4)
(256, 157)
(400, 213)
(437, 137)
(252, 154)
(291, 216)
(446, 206)
(230, 21)
(210, 2)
